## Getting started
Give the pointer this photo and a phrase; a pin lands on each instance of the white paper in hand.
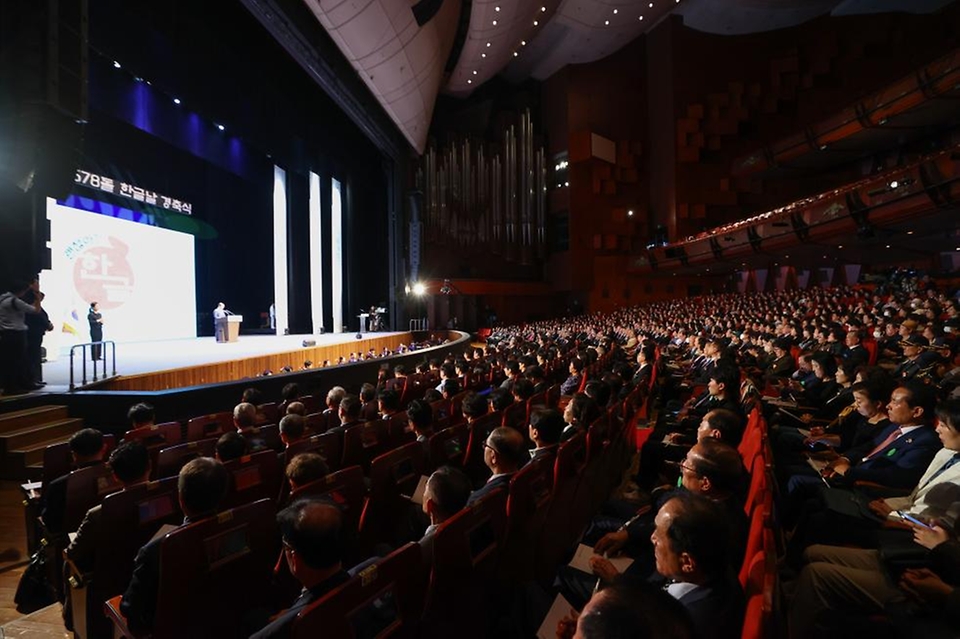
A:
(581, 560)
(418, 493)
(560, 609)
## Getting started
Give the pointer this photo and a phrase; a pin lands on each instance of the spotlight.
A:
(176, 100)
(630, 213)
(221, 127)
(116, 65)
(894, 184)
(419, 288)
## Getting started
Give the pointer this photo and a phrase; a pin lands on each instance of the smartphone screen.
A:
(913, 520)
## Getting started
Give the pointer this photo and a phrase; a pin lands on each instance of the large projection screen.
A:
(142, 276)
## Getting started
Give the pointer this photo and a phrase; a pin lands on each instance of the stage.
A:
(141, 359)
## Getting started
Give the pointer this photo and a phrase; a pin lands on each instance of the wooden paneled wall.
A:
(250, 367)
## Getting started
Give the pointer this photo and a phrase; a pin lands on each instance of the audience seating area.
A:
(213, 569)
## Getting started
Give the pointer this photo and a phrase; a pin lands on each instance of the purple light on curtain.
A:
(143, 107)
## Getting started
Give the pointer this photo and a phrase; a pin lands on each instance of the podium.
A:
(233, 327)
(363, 323)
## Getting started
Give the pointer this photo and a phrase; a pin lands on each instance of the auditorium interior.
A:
(479, 318)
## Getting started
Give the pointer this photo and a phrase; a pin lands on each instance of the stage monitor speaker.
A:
(309, 342)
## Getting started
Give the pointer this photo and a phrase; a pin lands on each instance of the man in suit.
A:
(690, 556)
(311, 532)
(503, 453)
(130, 464)
(349, 413)
(445, 495)
(87, 449)
(629, 610)
(546, 426)
(420, 421)
(897, 457)
(201, 485)
(844, 580)
(645, 358)
(854, 352)
(782, 365)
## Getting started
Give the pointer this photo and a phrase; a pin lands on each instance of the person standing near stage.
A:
(15, 373)
(38, 324)
(220, 322)
(95, 318)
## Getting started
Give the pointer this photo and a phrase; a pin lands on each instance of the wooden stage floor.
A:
(136, 358)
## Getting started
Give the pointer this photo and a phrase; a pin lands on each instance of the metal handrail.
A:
(104, 349)
(420, 324)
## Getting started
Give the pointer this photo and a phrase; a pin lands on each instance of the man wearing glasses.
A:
(503, 453)
(310, 529)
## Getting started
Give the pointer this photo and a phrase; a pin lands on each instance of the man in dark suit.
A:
(546, 426)
(130, 464)
(349, 413)
(445, 495)
(896, 457)
(854, 354)
(503, 453)
(782, 365)
(86, 448)
(689, 556)
(202, 484)
(311, 531)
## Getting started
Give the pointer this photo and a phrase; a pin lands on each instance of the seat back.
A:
(86, 487)
(559, 528)
(527, 503)
(173, 458)
(473, 463)
(364, 442)
(392, 475)
(264, 437)
(466, 552)
(758, 484)
(212, 569)
(515, 416)
(206, 426)
(270, 411)
(57, 460)
(253, 477)
(131, 518)
(165, 434)
(447, 447)
(385, 599)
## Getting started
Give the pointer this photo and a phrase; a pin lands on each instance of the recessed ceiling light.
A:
(536, 22)
(909, 232)
(651, 5)
(488, 44)
(523, 43)
(469, 81)
(496, 8)
(630, 213)
(615, 11)
(494, 23)
(544, 9)
(116, 65)
(483, 55)
(221, 127)
(474, 72)
(515, 54)
(888, 246)
(641, 17)
(176, 100)
(606, 22)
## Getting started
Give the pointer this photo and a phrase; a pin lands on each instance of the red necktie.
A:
(889, 440)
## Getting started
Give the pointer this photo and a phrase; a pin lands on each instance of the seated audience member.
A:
(86, 449)
(368, 397)
(839, 582)
(388, 403)
(231, 446)
(292, 429)
(334, 396)
(420, 420)
(289, 393)
(202, 485)
(912, 364)
(599, 392)
(511, 370)
(522, 390)
(536, 376)
(432, 395)
(350, 408)
(625, 611)
(399, 379)
(854, 354)
(691, 554)
(473, 407)
(572, 383)
(503, 453)
(130, 464)
(245, 418)
(311, 533)
(896, 457)
(141, 416)
(645, 359)
(546, 426)
(499, 399)
(782, 364)
(305, 468)
(446, 494)
(579, 413)
(449, 388)
(296, 408)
